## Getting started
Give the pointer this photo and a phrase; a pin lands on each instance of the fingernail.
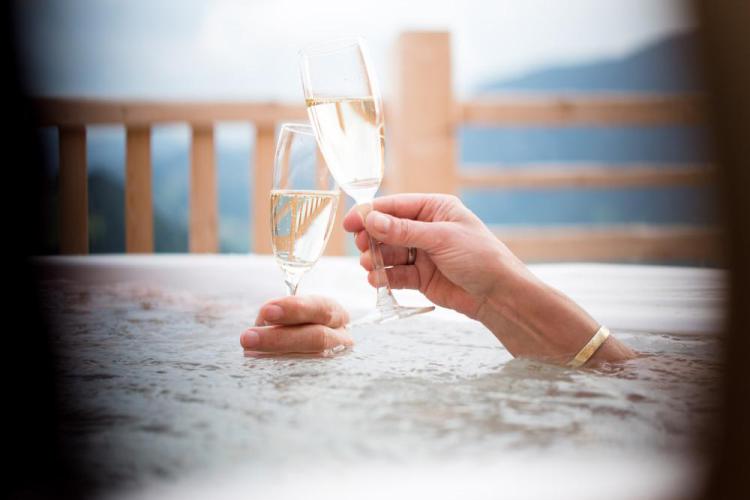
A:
(250, 339)
(381, 222)
(272, 312)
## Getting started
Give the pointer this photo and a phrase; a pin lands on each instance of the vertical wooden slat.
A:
(204, 219)
(262, 180)
(422, 138)
(139, 213)
(73, 230)
(324, 180)
(337, 242)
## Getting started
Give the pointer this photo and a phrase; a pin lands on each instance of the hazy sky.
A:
(224, 49)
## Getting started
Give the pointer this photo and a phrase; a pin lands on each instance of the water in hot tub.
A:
(157, 389)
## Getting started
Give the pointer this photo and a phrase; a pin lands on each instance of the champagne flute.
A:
(303, 199)
(345, 108)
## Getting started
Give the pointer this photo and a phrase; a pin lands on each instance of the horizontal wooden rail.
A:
(507, 110)
(582, 110)
(69, 112)
(634, 243)
(588, 176)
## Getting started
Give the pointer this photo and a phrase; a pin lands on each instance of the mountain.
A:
(665, 66)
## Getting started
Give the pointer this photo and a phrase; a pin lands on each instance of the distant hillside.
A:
(668, 65)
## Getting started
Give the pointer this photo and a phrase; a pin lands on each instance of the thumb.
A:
(400, 232)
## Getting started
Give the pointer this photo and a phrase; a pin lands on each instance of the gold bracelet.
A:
(590, 348)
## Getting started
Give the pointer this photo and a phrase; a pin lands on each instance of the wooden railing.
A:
(423, 144)
(72, 115)
(422, 118)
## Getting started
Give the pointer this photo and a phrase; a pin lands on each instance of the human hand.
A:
(459, 262)
(298, 324)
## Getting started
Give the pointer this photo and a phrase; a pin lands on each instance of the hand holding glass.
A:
(345, 108)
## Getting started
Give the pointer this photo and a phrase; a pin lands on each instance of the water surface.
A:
(158, 390)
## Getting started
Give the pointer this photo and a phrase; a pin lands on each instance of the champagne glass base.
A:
(389, 314)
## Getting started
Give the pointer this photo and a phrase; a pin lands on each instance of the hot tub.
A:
(162, 403)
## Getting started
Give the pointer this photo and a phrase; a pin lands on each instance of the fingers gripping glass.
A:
(303, 199)
(346, 111)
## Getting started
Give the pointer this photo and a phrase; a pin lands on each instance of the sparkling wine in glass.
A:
(303, 199)
(346, 111)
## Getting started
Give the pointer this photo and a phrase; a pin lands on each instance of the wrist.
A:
(533, 319)
(511, 287)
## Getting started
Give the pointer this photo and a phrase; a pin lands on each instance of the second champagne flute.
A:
(345, 108)
(303, 199)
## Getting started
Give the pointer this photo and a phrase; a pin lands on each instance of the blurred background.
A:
(162, 51)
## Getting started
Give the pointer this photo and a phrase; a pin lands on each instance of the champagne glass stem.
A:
(291, 279)
(386, 303)
(291, 287)
(387, 308)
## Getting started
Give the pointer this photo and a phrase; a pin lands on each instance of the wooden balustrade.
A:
(422, 120)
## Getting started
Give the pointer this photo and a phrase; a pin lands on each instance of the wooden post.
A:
(139, 213)
(265, 148)
(73, 230)
(337, 241)
(421, 129)
(725, 44)
(204, 219)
